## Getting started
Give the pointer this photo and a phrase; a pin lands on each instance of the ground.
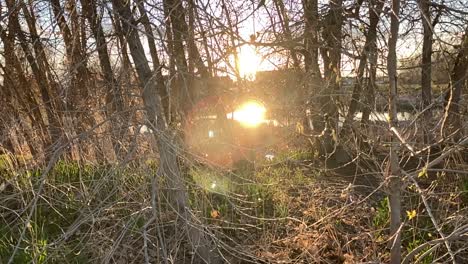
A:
(287, 208)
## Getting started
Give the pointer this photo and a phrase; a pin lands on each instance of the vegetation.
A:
(190, 131)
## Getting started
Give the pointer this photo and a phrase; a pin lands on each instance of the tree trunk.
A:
(371, 85)
(114, 99)
(181, 33)
(331, 55)
(452, 124)
(368, 102)
(284, 21)
(324, 95)
(232, 40)
(371, 37)
(76, 60)
(41, 55)
(122, 43)
(169, 39)
(157, 67)
(184, 79)
(426, 67)
(17, 87)
(393, 173)
(39, 75)
(169, 167)
(312, 121)
(19, 107)
(206, 47)
(75, 120)
(194, 56)
(311, 60)
(173, 87)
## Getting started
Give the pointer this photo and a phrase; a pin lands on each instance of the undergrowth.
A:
(271, 210)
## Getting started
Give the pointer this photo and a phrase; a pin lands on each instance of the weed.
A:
(416, 243)
(382, 214)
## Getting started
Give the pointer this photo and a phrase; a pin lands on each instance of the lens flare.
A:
(249, 114)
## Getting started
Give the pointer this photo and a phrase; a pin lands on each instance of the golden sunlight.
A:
(249, 62)
(250, 114)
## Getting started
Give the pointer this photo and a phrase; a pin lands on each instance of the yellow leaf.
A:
(411, 214)
(214, 214)
(423, 173)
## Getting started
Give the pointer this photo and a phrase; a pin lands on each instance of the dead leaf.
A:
(215, 214)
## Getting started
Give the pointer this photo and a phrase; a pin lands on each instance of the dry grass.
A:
(283, 211)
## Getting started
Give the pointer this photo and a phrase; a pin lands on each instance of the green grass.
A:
(71, 193)
(212, 181)
(382, 214)
(265, 189)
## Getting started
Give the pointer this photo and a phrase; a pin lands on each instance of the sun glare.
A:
(250, 114)
(249, 62)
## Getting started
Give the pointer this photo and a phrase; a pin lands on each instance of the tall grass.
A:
(269, 210)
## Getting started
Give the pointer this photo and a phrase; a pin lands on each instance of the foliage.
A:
(382, 215)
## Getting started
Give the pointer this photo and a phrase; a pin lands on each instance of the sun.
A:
(249, 62)
(249, 114)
